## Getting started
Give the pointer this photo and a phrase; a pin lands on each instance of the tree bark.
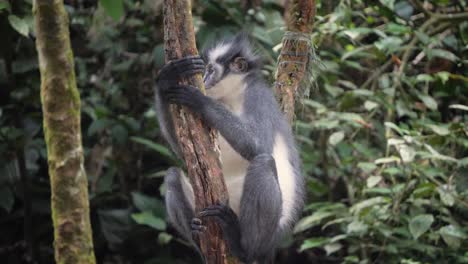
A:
(62, 130)
(294, 59)
(197, 142)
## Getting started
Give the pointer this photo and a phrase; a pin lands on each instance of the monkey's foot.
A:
(229, 223)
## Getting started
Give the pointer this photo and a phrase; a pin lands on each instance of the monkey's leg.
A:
(254, 234)
(179, 202)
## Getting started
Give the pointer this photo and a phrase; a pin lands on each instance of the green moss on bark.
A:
(62, 130)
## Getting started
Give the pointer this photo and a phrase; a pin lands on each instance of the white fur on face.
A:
(218, 51)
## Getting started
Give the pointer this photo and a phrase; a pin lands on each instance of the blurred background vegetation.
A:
(383, 137)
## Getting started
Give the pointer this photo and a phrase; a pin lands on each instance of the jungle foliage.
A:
(383, 133)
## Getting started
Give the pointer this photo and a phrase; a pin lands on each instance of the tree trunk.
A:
(61, 109)
(295, 54)
(197, 142)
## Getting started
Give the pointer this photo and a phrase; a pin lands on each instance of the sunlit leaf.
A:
(440, 130)
(357, 227)
(20, 25)
(373, 181)
(336, 138)
(446, 195)
(459, 106)
(310, 221)
(332, 248)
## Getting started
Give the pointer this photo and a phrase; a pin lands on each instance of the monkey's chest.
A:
(234, 170)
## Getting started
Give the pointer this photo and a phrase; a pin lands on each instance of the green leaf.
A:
(164, 238)
(420, 224)
(119, 134)
(5, 5)
(389, 44)
(446, 195)
(154, 146)
(147, 203)
(313, 243)
(367, 167)
(355, 209)
(404, 9)
(336, 138)
(99, 125)
(357, 227)
(459, 106)
(397, 28)
(443, 76)
(147, 218)
(332, 248)
(428, 101)
(424, 78)
(388, 3)
(439, 130)
(452, 236)
(20, 25)
(445, 54)
(310, 221)
(369, 105)
(114, 8)
(372, 181)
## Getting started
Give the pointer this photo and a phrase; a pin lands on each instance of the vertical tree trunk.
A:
(61, 109)
(295, 54)
(197, 142)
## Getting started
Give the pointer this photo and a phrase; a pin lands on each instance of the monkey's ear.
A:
(239, 64)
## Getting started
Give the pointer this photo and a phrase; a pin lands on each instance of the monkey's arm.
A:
(239, 135)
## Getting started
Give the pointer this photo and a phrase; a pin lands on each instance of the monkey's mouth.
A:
(208, 80)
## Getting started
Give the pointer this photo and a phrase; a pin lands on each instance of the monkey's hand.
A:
(174, 70)
(184, 95)
(229, 223)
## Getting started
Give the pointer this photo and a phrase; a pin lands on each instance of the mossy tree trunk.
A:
(294, 59)
(62, 130)
(197, 142)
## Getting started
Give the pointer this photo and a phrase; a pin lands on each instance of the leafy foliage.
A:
(383, 139)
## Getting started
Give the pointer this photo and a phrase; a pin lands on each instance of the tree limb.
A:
(295, 54)
(62, 130)
(197, 142)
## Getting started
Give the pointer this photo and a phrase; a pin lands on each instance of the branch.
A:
(295, 56)
(198, 144)
(60, 99)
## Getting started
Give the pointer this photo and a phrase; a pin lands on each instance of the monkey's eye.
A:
(239, 64)
(209, 69)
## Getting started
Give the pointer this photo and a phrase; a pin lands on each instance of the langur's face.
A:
(223, 60)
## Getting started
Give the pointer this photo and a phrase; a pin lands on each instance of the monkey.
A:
(259, 157)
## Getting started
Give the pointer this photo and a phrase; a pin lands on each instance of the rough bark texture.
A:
(197, 142)
(295, 54)
(61, 109)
